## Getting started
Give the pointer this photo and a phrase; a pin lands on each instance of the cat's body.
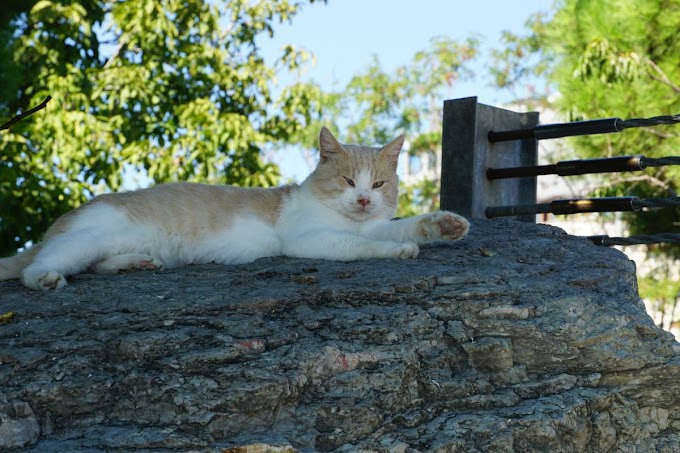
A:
(341, 212)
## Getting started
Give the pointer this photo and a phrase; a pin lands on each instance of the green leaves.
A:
(605, 62)
(175, 89)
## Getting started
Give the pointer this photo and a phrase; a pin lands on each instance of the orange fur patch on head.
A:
(339, 162)
(328, 145)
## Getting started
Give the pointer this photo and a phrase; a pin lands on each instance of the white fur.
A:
(100, 232)
(246, 240)
(328, 234)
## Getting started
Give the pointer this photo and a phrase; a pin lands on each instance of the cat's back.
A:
(188, 207)
(193, 200)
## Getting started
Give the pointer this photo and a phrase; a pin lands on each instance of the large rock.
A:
(518, 338)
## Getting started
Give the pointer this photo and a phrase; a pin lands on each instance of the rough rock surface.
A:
(518, 338)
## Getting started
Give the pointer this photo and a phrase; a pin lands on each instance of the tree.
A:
(613, 58)
(175, 89)
(377, 105)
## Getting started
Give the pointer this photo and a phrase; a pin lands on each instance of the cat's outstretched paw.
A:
(127, 262)
(44, 281)
(452, 226)
(443, 225)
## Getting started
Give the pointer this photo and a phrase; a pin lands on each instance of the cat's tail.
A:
(12, 266)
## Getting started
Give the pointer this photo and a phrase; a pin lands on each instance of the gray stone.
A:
(542, 345)
(18, 425)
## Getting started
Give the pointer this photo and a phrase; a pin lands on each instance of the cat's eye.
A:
(379, 184)
(349, 181)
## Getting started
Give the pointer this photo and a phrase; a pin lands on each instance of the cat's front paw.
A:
(43, 282)
(443, 225)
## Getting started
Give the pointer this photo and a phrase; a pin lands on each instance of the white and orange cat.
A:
(341, 212)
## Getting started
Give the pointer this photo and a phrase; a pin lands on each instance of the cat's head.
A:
(359, 182)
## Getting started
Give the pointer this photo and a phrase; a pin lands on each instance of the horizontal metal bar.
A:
(649, 122)
(659, 161)
(607, 204)
(668, 202)
(600, 126)
(659, 238)
(563, 207)
(520, 172)
(526, 209)
(571, 167)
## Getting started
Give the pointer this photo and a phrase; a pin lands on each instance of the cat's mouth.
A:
(361, 212)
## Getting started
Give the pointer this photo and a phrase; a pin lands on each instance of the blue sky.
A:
(344, 35)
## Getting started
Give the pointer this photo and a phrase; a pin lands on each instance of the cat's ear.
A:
(390, 152)
(328, 145)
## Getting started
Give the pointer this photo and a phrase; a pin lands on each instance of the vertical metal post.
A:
(467, 153)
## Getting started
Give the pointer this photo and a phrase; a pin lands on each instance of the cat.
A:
(341, 212)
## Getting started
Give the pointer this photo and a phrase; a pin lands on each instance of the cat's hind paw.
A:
(43, 282)
(127, 262)
(406, 250)
(443, 225)
(150, 265)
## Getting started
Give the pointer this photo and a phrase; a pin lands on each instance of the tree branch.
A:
(661, 77)
(643, 178)
(121, 43)
(40, 106)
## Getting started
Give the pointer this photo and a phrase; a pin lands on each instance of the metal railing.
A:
(472, 151)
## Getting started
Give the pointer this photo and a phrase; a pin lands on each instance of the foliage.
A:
(659, 289)
(663, 292)
(612, 58)
(174, 89)
(418, 197)
(377, 105)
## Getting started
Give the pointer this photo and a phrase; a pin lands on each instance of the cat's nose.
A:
(364, 201)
